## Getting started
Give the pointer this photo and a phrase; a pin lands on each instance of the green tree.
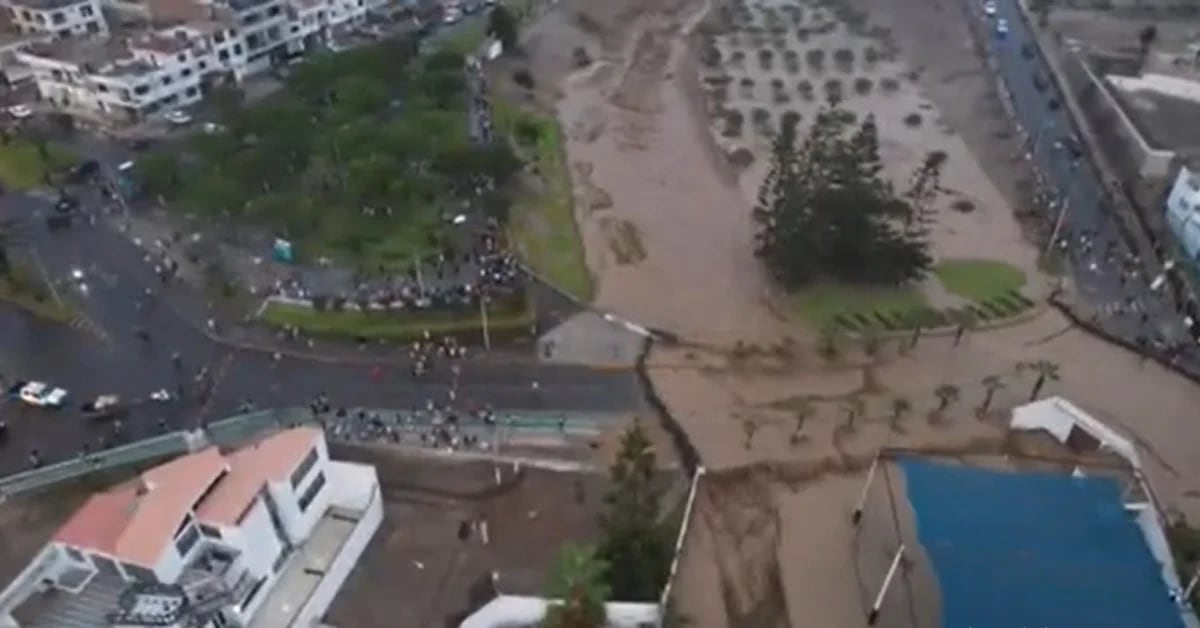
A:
(503, 26)
(158, 174)
(825, 212)
(636, 546)
(577, 584)
(946, 395)
(991, 384)
(1044, 370)
(10, 236)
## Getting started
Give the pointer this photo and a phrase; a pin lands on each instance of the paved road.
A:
(1104, 262)
(106, 355)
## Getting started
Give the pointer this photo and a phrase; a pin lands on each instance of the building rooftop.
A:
(1034, 548)
(1163, 108)
(94, 52)
(46, 4)
(271, 459)
(135, 521)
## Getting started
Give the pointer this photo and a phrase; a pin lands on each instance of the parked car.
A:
(66, 204)
(104, 407)
(179, 118)
(83, 171)
(42, 395)
(20, 112)
(989, 8)
(1002, 28)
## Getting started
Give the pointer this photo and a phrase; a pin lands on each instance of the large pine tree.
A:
(824, 210)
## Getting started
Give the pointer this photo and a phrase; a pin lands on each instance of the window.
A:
(75, 555)
(166, 80)
(219, 37)
(295, 29)
(186, 73)
(93, 27)
(253, 592)
(223, 55)
(141, 90)
(64, 33)
(304, 467)
(57, 17)
(237, 49)
(101, 87)
(273, 11)
(203, 66)
(86, 10)
(56, 75)
(27, 15)
(139, 573)
(191, 91)
(312, 492)
(210, 531)
(187, 541)
(182, 57)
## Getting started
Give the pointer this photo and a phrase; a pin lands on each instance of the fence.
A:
(124, 455)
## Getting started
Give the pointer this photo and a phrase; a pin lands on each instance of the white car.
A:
(989, 8)
(179, 117)
(1002, 27)
(160, 395)
(20, 112)
(41, 395)
(452, 16)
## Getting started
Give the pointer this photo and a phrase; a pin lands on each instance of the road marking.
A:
(88, 326)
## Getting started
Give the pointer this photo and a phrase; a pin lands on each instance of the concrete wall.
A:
(299, 524)
(351, 551)
(257, 540)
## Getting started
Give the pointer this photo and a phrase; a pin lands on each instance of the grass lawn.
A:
(22, 166)
(542, 226)
(403, 325)
(820, 305)
(23, 293)
(979, 279)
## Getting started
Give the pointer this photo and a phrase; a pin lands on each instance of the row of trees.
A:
(825, 211)
(633, 559)
(362, 151)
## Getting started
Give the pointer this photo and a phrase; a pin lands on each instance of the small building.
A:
(262, 536)
(1183, 213)
(61, 18)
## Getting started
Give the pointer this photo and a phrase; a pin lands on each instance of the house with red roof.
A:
(207, 539)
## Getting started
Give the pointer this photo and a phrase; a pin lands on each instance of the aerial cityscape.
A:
(570, 314)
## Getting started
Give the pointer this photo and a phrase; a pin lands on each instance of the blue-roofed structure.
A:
(1035, 549)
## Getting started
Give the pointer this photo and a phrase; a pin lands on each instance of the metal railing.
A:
(243, 427)
(124, 455)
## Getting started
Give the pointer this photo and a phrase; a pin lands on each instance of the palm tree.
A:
(991, 384)
(900, 407)
(966, 323)
(871, 344)
(854, 409)
(946, 394)
(1046, 371)
(749, 427)
(804, 411)
(577, 585)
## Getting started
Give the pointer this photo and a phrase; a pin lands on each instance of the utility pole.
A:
(1058, 223)
(417, 266)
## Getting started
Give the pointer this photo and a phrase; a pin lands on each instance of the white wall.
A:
(256, 539)
(299, 525)
(1057, 416)
(335, 576)
(72, 19)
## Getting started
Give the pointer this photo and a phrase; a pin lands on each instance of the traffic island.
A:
(507, 320)
(16, 288)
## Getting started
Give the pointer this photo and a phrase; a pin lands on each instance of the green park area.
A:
(25, 164)
(542, 225)
(978, 280)
(360, 158)
(505, 318)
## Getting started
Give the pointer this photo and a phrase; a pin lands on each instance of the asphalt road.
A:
(1104, 264)
(103, 354)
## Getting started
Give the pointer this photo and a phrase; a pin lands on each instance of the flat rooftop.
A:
(305, 569)
(93, 51)
(1034, 548)
(1165, 117)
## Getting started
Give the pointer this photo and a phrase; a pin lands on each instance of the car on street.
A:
(161, 395)
(83, 171)
(989, 8)
(41, 395)
(212, 127)
(103, 407)
(452, 15)
(66, 204)
(1001, 28)
(20, 112)
(178, 118)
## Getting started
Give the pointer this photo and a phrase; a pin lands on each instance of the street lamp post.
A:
(483, 317)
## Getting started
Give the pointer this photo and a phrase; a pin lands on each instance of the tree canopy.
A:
(577, 582)
(637, 546)
(358, 157)
(825, 212)
(502, 25)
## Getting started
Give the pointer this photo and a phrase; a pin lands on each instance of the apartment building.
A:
(61, 18)
(263, 536)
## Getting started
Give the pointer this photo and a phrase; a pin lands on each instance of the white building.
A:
(1183, 212)
(62, 18)
(263, 536)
